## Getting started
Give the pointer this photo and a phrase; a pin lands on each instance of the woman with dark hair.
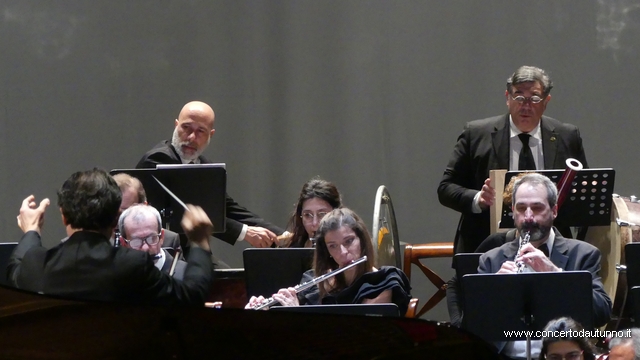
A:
(317, 198)
(342, 238)
(565, 340)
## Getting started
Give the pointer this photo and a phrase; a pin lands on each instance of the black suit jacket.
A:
(87, 267)
(181, 266)
(483, 146)
(237, 215)
(568, 254)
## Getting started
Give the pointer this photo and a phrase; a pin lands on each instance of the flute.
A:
(524, 240)
(271, 301)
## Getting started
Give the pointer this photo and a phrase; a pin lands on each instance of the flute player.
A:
(343, 238)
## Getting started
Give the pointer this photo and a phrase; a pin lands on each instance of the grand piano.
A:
(34, 326)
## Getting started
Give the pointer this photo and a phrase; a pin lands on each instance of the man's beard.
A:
(536, 231)
(177, 144)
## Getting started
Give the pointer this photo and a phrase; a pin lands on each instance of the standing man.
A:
(87, 266)
(191, 135)
(534, 208)
(141, 229)
(523, 139)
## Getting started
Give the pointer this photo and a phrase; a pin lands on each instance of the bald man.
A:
(191, 136)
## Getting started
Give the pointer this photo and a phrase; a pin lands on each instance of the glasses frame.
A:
(521, 99)
(144, 240)
(313, 216)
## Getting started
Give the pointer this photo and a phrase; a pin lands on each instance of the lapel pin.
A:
(553, 138)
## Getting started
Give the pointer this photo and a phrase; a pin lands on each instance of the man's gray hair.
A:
(633, 340)
(138, 211)
(529, 74)
(535, 179)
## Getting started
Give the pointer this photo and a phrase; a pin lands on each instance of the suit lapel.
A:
(549, 143)
(559, 253)
(500, 139)
(168, 260)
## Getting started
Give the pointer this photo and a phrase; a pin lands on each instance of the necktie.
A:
(191, 162)
(525, 161)
(545, 249)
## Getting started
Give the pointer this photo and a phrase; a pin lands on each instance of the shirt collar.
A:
(514, 131)
(159, 263)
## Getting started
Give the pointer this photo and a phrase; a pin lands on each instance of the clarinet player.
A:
(534, 206)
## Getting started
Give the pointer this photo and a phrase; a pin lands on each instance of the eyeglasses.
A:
(535, 99)
(308, 216)
(137, 243)
(574, 355)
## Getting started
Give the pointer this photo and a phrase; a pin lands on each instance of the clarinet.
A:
(271, 301)
(524, 240)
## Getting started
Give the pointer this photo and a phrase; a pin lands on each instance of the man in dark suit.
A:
(87, 267)
(499, 143)
(141, 229)
(133, 193)
(534, 209)
(191, 135)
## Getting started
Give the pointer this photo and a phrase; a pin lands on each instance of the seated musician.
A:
(341, 239)
(566, 341)
(140, 229)
(625, 347)
(534, 210)
(87, 267)
(133, 193)
(455, 302)
(317, 198)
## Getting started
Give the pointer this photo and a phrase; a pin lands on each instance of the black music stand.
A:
(269, 270)
(632, 259)
(587, 204)
(524, 302)
(202, 184)
(390, 310)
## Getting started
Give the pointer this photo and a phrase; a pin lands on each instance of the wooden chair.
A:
(411, 310)
(413, 254)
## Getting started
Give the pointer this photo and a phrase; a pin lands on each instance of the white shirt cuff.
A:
(243, 232)
(475, 206)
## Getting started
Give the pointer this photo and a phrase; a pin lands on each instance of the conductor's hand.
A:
(487, 195)
(197, 226)
(287, 297)
(259, 237)
(31, 216)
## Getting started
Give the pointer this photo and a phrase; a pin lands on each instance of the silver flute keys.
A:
(524, 240)
(271, 301)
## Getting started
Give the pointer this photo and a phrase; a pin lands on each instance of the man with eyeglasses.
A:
(133, 193)
(522, 139)
(191, 135)
(87, 267)
(141, 229)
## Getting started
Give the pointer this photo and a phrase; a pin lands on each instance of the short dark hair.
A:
(90, 200)
(529, 74)
(535, 179)
(572, 330)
